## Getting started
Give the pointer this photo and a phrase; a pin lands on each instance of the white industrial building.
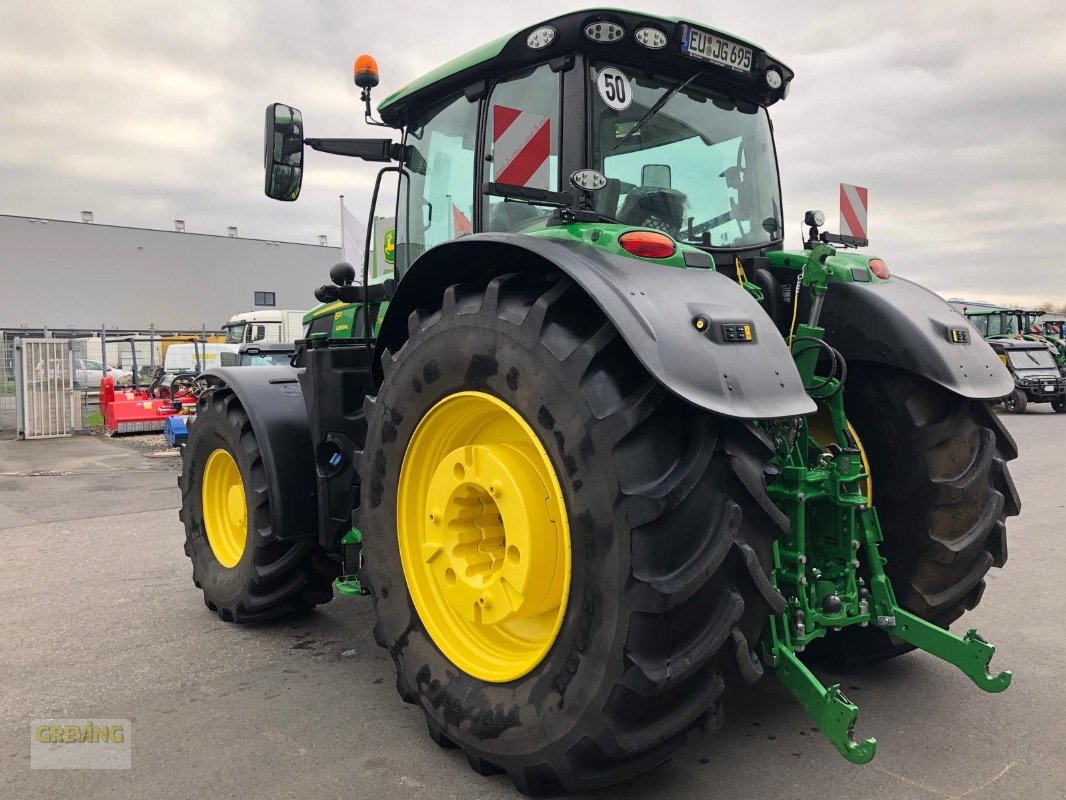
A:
(62, 275)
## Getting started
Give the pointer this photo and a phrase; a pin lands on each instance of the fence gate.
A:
(7, 383)
(44, 390)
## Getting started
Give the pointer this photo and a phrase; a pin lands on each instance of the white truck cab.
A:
(264, 326)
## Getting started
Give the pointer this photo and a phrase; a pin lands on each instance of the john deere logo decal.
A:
(390, 246)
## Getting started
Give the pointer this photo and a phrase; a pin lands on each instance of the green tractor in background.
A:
(1021, 323)
(600, 445)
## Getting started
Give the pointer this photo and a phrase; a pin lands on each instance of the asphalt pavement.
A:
(100, 619)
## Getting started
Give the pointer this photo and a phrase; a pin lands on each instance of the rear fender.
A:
(274, 403)
(651, 305)
(901, 324)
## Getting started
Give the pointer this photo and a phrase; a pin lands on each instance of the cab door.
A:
(435, 201)
(522, 134)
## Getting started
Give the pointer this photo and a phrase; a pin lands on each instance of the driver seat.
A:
(654, 207)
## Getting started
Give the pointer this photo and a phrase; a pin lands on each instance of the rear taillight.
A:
(879, 268)
(647, 244)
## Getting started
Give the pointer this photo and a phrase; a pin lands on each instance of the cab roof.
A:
(1017, 344)
(472, 72)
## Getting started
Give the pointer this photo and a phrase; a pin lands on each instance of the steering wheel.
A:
(154, 388)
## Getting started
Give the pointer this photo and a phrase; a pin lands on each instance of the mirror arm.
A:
(366, 149)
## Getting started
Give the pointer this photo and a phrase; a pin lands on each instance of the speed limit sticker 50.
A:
(614, 88)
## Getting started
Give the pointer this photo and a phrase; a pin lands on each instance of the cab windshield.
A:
(235, 333)
(1031, 359)
(701, 168)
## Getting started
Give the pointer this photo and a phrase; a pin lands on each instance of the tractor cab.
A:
(608, 117)
(1006, 322)
(669, 118)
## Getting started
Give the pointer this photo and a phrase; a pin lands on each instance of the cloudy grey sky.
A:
(952, 113)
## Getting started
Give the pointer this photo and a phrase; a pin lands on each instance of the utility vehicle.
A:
(1035, 372)
(258, 354)
(1021, 323)
(600, 444)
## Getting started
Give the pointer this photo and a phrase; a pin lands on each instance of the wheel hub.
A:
(483, 536)
(484, 504)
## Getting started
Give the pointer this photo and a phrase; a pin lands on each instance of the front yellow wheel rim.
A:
(225, 508)
(483, 536)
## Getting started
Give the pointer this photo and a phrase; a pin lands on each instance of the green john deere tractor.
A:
(600, 445)
(1021, 323)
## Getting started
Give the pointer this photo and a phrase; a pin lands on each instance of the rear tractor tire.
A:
(567, 561)
(938, 465)
(245, 572)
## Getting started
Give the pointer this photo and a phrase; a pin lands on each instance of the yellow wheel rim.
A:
(483, 535)
(225, 508)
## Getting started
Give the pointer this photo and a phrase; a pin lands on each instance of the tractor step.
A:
(348, 584)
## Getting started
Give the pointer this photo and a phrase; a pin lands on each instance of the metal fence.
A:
(7, 384)
(131, 357)
(46, 405)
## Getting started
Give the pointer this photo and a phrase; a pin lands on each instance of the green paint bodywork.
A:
(480, 55)
(343, 320)
(344, 324)
(838, 266)
(833, 534)
(322, 309)
(605, 237)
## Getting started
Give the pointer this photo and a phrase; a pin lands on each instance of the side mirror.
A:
(284, 152)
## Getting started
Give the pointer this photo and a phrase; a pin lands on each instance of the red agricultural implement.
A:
(136, 411)
(145, 410)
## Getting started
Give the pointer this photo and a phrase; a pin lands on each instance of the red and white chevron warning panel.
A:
(854, 202)
(521, 144)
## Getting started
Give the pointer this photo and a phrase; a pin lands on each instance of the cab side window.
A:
(436, 198)
(522, 144)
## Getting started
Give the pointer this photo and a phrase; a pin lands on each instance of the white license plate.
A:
(1049, 387)
(708, 47)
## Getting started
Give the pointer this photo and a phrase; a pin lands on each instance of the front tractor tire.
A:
(942, 489)
(246, 573)
(567, 561)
